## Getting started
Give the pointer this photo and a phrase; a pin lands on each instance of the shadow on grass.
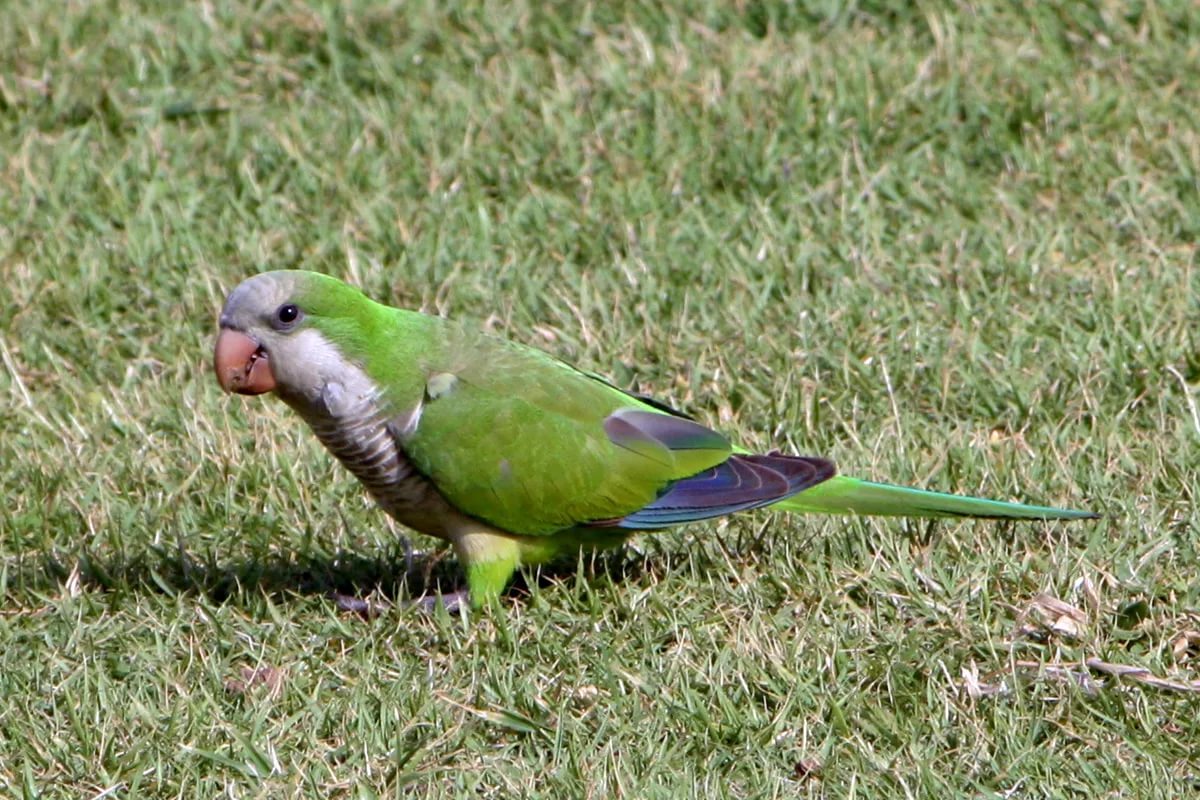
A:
(394, 576)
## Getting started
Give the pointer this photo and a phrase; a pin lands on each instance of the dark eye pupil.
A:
(288, 313)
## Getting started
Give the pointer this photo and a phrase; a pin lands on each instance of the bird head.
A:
(273, 333)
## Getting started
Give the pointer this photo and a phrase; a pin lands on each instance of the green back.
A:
(519, 440)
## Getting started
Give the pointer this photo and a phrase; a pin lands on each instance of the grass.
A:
(950, 246)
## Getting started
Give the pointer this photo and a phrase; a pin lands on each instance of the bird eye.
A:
(287, 314)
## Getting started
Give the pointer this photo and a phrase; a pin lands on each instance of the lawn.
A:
(952, 246)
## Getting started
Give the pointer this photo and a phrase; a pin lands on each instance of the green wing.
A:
(533, 446)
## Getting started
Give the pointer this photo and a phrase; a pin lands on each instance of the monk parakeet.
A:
(507, 453)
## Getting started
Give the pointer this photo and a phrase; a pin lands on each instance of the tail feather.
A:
(844, 495)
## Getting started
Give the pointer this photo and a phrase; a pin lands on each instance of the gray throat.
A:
(358, 430)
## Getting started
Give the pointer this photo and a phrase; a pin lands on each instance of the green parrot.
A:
(507, 453)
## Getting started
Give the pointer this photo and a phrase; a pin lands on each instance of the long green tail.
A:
(843, 495)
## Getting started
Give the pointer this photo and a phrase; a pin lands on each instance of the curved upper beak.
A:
(241, 364)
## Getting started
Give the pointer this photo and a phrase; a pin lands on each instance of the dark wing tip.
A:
(740, 483)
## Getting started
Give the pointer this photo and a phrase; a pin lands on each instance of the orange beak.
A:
(242, 364)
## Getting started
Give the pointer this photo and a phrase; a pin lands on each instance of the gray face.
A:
(280, 349)
(265, 335)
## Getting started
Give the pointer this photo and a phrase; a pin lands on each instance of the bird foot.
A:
(367, 609)
(370, 609)
(453, 602)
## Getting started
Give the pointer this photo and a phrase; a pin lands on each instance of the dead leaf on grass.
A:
(1048, 613)
(270, 677)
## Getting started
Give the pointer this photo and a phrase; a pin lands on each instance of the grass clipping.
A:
(1050, 617)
